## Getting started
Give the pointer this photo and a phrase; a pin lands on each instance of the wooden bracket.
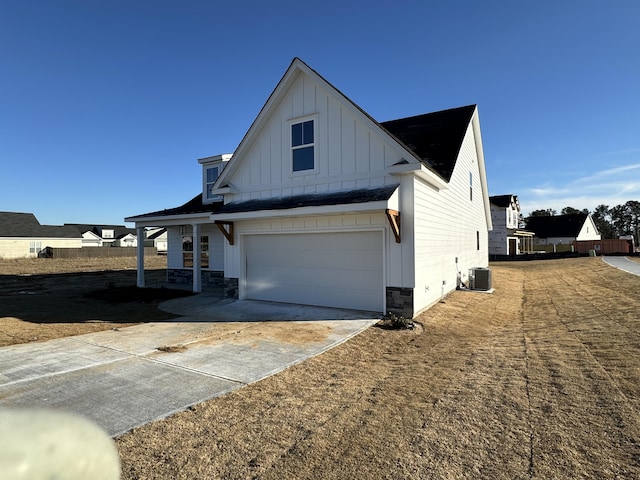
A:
(228, 234)
(394, 220)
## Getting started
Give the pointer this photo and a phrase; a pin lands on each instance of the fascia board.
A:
(168, 220)
(419, 171)
(304, 211)
(475, 122)
(290, 75)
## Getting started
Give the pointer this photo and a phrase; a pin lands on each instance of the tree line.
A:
(611, 222)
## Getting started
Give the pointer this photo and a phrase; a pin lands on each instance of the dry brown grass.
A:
(540, 379)
(44, 298)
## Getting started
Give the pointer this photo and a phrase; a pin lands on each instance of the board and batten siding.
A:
(348, 154)
(446, 223)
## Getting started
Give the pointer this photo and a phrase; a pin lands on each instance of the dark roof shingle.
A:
(435, 137)
(557, 225)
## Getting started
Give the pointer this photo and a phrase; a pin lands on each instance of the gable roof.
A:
(435, 137)
(432, 160)
(13, 224)
(557, 225)
(118, 230)
(503, 201)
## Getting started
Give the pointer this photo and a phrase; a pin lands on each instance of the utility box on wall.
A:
(480, 279)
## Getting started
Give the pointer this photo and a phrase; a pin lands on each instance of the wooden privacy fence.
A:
(604, 247)
(95, 252)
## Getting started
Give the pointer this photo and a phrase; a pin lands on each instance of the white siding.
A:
(19, 247)
(588, 230)
(216, 246)
(347, 156)
(446, 223)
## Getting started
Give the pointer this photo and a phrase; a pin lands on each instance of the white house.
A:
(156, 237)
(320, 204)
(563, 229)
(506, 237)
(22, 236)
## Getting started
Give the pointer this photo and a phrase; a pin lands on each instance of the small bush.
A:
(398, 322)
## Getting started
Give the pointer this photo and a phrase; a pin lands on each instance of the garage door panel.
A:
(332, 269)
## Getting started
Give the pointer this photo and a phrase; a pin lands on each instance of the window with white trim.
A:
(302, 146)
(212, 175)
(471, 186)
(35, 247)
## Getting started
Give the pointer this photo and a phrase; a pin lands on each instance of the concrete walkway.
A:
(623, 263)
(124, 378)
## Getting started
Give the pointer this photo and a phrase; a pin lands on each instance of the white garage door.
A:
(330, 269)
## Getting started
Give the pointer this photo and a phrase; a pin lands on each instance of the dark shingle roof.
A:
(435, 137)
(502, 201)
(14, 224)
(557, 225)
(193, 206)
(311, 200)
(118, 230)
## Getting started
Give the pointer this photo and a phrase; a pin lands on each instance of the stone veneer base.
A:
(400, 301)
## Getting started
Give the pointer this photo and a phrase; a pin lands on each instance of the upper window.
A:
(471, 186)
(302, 146)
(212, 176)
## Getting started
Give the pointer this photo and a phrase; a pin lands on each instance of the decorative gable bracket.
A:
(223, 226)
(394, 221)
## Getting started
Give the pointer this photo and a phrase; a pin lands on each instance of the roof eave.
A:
(420, 171)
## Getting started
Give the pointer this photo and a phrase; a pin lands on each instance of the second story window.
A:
(212, 176)
(471, 186)
(302, 146)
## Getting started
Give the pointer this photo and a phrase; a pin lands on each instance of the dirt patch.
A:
(41, 299)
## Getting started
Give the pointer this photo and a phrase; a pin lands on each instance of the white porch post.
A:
(197, 264)
(140, 256)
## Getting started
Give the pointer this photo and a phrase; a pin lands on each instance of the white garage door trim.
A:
(343, 269)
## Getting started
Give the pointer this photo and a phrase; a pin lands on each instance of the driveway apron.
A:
(124, 378)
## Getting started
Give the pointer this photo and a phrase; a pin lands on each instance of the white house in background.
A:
(22, 236)
(90, 239)
(563, 229)
(106, 235)
(321, 204)
(156, 237)
(507, 238)
(126, 240)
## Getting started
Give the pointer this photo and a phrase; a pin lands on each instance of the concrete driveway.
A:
(623, 263)
(127, 377)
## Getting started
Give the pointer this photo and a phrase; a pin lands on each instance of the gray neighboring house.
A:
(22, 236)
(507, 238)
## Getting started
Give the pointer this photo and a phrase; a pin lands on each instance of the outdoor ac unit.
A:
(480, 279)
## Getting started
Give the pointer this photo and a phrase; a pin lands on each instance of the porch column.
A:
(197, 264)
(140, 257)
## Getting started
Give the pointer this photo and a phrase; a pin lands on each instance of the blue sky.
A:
(105, 106)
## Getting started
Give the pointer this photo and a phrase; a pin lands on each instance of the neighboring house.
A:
(106, 235)
(126, 240)
(507, 238)
(320, 204)
(563, 229)
(22, 236)
(156, 237)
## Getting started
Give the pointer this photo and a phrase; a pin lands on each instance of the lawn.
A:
(540, 379)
